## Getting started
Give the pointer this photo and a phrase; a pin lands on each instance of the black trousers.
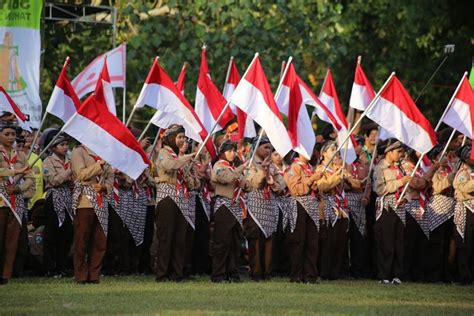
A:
(359, 252)
(371, 242)
(333, 249)
(281, 257)
(438, 265)
(118, 245)
(224, 245)
(57, 240)
(23, 249)
(201, 262)
(389, 235)
(145, 260)
(416, 251)
(303, 248)
(171, 238)
(465, 251)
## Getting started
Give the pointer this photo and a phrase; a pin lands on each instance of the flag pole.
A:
(201, 146)
(440, 121)
(124, 91)
(35, 138)
(154, 143)
(277, 94)
(68, 122)
(371, 105)
(144, 130)
(135, 108)
(224, 90)
(447, 145)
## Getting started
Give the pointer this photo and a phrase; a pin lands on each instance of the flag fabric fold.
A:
(328, 97)
(254, 97)
(103, 89)
(160, 92)
(102, 132)
(209, 101)
(300, 129)
(7, 104)
(396, 112)
(86, 80)
(181, 79)
(460, 114)
(362, 92)
(246, 127)
(63, 102)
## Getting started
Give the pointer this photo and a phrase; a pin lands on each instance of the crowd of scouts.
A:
(72, 214)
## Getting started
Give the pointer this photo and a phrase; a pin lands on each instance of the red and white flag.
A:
(396, 112)
(362, 92)
(103, 89)
(254, 97)
(86, 80)
(460, 115)
(63, 102)
(328, 97)
(209, 101)
(102, 132)
(246, 127)
(160, 92)
(7, 104)
(299, 124)
(181, 79)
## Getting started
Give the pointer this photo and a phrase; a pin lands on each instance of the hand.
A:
(24, 170)
(406, 179)
(317, 175)
(98, 187)
(145, 142)
(365, 201)
(266, 162)
(270, 180)
(101, 162)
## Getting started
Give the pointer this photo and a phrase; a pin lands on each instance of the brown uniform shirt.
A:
(27, 187)
(298, 180)
(168, 164)
(385, 179)
(464, 184)
(88, 171)
(223, 178)
(56, 172)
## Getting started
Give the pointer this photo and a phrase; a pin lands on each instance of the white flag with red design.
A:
(209, 101)
(246, 127)
(460, 115)
(102, 132)
(362, 92)
(103, 89)
(254, 97)
(7, 104)
(396, 112)
(63, 102)
(160, 92)
(328, 97)
(86, 80)
(181, 79)
(299, 124)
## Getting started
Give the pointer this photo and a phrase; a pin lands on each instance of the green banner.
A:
(20, 13)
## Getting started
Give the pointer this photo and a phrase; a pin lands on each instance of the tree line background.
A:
(405, 36)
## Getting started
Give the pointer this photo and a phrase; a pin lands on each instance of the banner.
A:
(20, 50)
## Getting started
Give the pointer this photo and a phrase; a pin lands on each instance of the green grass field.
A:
(141, 295)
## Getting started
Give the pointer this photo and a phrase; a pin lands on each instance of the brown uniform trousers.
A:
(9, 234)
(90, 241)
(224, 245)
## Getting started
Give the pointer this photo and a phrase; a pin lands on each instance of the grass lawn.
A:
(141, 295)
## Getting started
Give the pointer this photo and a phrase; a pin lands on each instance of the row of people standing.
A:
(205, 209)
